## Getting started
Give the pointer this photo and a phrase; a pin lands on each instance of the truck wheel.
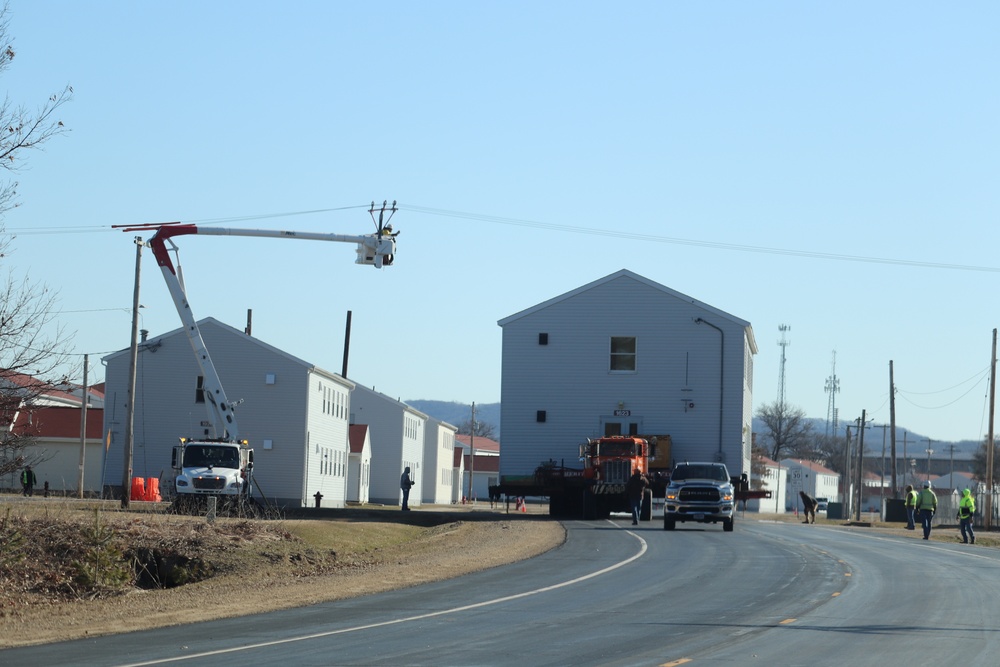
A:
(669, 524)
(646, 510)
(589, 506)
(727, 525)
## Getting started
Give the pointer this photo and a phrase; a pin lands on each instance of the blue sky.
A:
(755, 156)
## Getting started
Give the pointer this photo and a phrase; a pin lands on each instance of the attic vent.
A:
(540, 416)
(543, 339)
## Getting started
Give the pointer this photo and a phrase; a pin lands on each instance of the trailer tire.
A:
(646, 511)
(669, 524)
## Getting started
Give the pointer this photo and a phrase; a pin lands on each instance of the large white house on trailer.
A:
(624, 355)
(294, 414)
(397, 432)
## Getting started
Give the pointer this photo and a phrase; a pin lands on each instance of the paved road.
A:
(768, 594)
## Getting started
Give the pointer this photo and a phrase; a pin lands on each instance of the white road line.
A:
(420, 617)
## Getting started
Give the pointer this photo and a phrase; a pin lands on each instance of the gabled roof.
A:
(625, 273)
(770, 463)
(212, 322)
(811, 465)
(58, 422)
(356, 435)
(390, 400)
(481, 444)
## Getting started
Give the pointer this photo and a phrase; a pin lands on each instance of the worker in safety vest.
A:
(966, 510)
(911, 506)
(926, 505)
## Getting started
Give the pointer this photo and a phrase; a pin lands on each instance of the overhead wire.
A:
(536, 224)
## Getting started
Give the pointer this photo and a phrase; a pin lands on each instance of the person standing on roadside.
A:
(926, 505)
(911, 507)
(28, 481)
(405, 484)
(966, 510)
(635, 489)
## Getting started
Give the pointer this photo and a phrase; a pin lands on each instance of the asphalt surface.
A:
(614, 594)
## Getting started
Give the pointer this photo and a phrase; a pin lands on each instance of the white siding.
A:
(674, 390)
(278, 413)
(397, 436)
(438, 462)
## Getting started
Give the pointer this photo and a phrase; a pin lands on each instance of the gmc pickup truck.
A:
(701, 492)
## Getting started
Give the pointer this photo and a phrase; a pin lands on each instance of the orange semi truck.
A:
(597, 489)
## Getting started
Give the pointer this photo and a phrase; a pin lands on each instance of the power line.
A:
(571, 229)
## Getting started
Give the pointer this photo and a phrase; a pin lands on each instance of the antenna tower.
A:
(781, 374)
(832, 388)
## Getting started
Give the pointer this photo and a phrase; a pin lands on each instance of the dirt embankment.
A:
(67, 572)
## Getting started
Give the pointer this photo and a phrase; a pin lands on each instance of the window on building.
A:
(623, 353)
(199, 392)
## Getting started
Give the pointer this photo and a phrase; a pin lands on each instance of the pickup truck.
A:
(701, 492)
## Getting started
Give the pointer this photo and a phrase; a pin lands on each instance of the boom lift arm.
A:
(376, 249)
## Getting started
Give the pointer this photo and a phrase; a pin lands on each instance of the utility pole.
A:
(130, 396)
(83, 426)
(951, 473)
(861, 454)
(988, 519)
(929, 452)
(892, 432)
(882, 488)
(472, 449)
(847, 475)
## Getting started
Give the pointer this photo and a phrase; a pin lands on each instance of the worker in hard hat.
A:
(926, 506)
(910, 501)
(966, 510)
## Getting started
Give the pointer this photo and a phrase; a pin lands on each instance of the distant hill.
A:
(873, 440)
(456, 413)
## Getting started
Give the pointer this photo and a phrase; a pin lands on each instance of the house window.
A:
(623, 353)
(540, 416)
(199, 392)
(543, 339)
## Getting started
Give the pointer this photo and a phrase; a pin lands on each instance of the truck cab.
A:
(701, 492)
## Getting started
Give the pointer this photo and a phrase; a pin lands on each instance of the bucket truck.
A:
(222, 465)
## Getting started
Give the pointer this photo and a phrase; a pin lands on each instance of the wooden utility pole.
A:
(847, 475)
(472, 450)
(861, 458)
(83, 428)
(892, 431)
(988, 522)
(130, 396)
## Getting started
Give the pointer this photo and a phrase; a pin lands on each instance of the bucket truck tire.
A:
(669, 524)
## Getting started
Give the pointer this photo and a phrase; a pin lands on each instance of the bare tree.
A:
(788, 433)
(22, 128)
(482, 430)
(32, 345)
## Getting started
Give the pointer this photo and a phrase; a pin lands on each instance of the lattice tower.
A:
(781, 372)
(832, 388)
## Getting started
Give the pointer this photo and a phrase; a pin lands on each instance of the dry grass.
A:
(274, 564)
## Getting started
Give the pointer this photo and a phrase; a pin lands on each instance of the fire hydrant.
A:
(319, 497)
